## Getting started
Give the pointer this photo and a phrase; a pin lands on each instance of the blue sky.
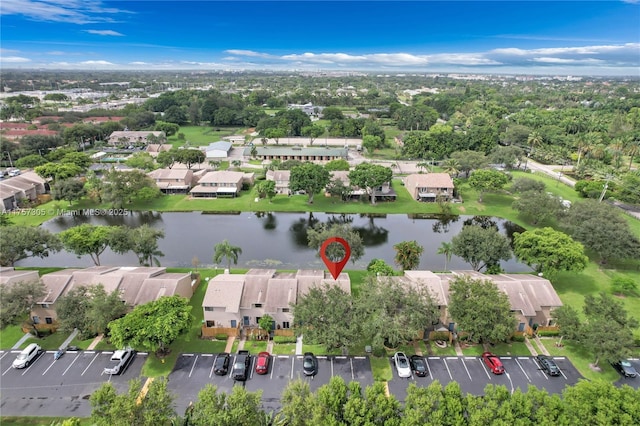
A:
(541, 37)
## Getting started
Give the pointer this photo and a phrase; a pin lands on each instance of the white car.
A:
(402, 365)
(122, 358)
(26, 357)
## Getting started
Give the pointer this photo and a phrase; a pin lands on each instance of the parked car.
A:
(625, 368)
(493, 363)
(418, 365)
(262, 363)
(309, 364)
(241, 366)
(122, 358)
(548, 365)
(221, 366)
(402, 365)
(27, 356)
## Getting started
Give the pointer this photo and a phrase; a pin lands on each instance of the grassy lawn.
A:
(39, 421)
(472, 350)
(448, 351)
(49, 342)
(320, 350)
(255, 346)
(10, 335)
(284, 349)
(104, 345)
(381, 368)
(511, 348)
(581, 359)
(202, 135)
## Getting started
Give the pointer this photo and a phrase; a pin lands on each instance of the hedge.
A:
(284, 339)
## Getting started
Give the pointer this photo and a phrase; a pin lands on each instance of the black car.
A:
(241, 366)
(221, 366)
(625, 368)
(309, 364)
(548, 365)
(418, 365)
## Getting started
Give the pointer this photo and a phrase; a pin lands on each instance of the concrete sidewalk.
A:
(21, 341)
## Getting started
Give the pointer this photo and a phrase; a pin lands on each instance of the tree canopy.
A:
(549, 251)
(481, 247)
(17, 300)
(318, 234)
(308, 177)
(224, 249)
(18, 242)
(408, 254)
(369, 177)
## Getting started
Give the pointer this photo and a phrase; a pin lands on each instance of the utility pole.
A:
(604, 189)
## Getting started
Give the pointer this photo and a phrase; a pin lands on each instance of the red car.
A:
(262, 364)
(493, 362)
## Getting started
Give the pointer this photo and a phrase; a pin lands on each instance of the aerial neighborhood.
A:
(485, 230)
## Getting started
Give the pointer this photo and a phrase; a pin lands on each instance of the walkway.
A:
(95, 342)
(299, 345)
(21, 341)
(533, 351)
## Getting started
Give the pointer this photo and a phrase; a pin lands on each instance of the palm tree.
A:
(451, 166)
(423, 165)
(225, 249)
(534, 140)
(633, 147)
(446, 249)
(616, 149)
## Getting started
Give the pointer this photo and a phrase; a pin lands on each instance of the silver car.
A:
(402, 365)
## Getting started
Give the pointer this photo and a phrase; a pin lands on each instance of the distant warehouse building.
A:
(297, 153)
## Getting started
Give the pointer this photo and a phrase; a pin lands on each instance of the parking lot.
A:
(634, 382)
(60, 387)
(193, 371)
(472, 375)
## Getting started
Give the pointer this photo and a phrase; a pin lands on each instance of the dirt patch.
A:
(462, 209)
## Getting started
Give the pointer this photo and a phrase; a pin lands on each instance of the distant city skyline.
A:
(507, 37)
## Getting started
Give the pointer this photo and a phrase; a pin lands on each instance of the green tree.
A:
(510, 156)
(141, 240)
(370, 177)
(625, 286)
(451, 167)
(58, 171)
(446, 249)
(121, 188)
(312, 132)
(481, 247)
(152, 325)
(549, 251)
(526, 184)
(30, 161)
(18, 299)
(337, 164)
(87, 239)
(371, 143)
(408, 254)
(266, 323)
(602, 229)
(155, 409)
(167, 159)
(239, 407)
(69, 190)
(80, 159)
(266, 189)
(274, 133)
(469, 160)
(189, 157)
(333, 327)
(487, 180)
(297, 403)
(19, 242)
(318, 234)
(332, 113)
(538, 206)
(141, 160)
(169, 129)
(379, 267)
(308, 177)
(479, 308)
(226, 250)
(72, 310)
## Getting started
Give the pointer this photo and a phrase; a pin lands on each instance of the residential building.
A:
(221, 183)
(129, 137)
(9, 276)
(155, 148)
(429, 186)
(297, 153)
(137, 286)
(173, 181)
(281, 178)
(25, 187)
(384, 192)
(218, 150)
(240, 300)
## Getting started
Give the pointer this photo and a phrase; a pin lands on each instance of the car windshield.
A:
(402, 362)
(21, 357)
(626, 363)
(239, 365)
(220, 362)
(419, 365)
(308, 363)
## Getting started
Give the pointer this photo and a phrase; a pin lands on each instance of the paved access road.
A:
(193, 371)
(472, 375)
(58, 388)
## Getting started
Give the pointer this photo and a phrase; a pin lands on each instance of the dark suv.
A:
(548, 365)
(221, 366)
(241, 366)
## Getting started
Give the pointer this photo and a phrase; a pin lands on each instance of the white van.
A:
(26, 357)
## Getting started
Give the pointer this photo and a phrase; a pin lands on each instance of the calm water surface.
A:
(274, 239)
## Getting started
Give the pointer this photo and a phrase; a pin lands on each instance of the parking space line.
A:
(94, 358)
(4, 354)
(187, 354)
(484, 368)
(505, 357)
(273, 366)
(5, 371)
(465, 367)
(428, 368)
(31, 365)
(213, 365)
(332, 367)
(359, 357)
(562, 372)
(353, 377)
(232, 364)
(206, 355)
(525, 373)
(193, 366)
(107, 353)
(89, 352)
(74, 360)
(537, 364)
(253, 360)
(45, 371)
(292, 362)
(434, 357)
(447, 365)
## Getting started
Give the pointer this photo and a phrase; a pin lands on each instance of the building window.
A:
(48, 320)
(44, 305)
(208, 308)
(285, 310)
(285, 324)
(257, 305)
(211, 323)
(551, 322)
(36, 319)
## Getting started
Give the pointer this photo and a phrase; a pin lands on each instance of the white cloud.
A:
(248, 53)
(97, 63)
(138, 63)
(14, 59)
(105, 32)
(72, 11)
(587, 61)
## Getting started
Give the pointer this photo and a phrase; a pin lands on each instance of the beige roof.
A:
(438, 288)
(279, 175)
(429, 180)
(173, 174)
(221, 176)
(56, 283)
(9, 275)
(281, 292)
(158, 286)
(256, 284)
(225, 291)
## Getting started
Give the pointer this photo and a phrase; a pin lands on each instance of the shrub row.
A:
(284, 339)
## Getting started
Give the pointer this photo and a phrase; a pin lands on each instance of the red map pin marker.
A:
(335, 267)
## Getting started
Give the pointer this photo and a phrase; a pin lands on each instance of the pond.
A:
(277, 240)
